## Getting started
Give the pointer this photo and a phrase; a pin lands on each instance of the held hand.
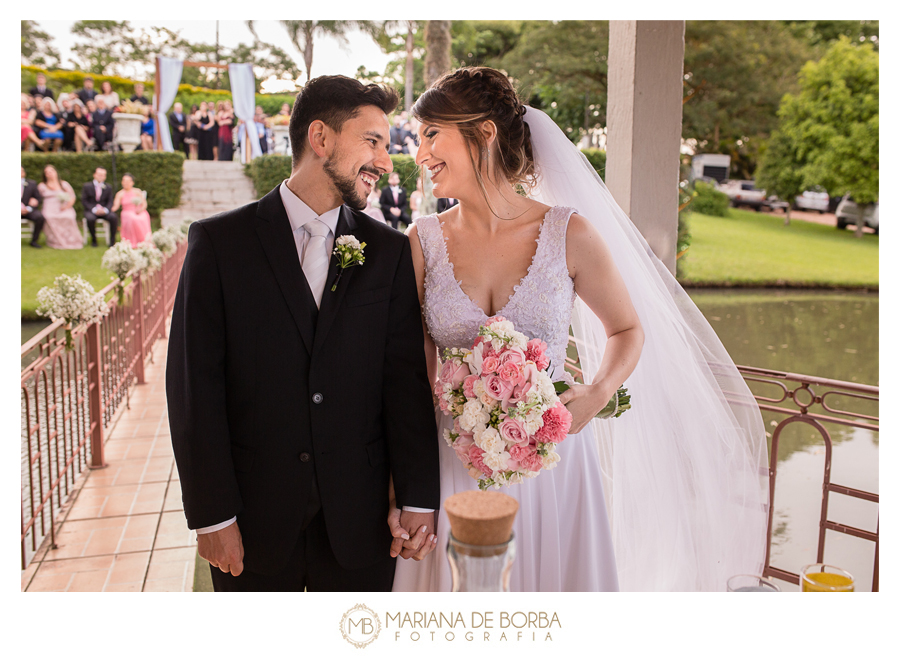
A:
(395, 212)
(413, 533)
(223, 549)
(584, 402)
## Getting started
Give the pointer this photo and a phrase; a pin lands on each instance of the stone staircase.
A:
(210, 187)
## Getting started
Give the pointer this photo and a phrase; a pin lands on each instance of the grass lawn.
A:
(748, 248)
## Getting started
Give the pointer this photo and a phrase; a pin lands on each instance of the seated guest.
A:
(109, 97)
(135, 218)
(97, 199)
(28, 117)
(416, 201)
(138, 95)
(148, 130)
(178, 128)
(49, 124)
(65, 112)
(87, 91)
(41, 89)
(60, 226)
(393, 201)
(76, 128)
(373, 208)
(102, 123)
(31, 199)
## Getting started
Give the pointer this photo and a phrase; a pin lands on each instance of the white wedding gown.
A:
(563, 538)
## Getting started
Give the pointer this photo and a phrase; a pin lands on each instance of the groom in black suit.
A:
(298, 390)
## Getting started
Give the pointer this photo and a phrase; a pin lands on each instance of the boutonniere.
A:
(349, 252)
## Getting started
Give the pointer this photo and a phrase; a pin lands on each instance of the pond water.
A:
(824, 334)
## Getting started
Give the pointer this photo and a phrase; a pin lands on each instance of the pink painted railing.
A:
(69, 398)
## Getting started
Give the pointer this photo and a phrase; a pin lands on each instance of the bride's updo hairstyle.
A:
(471, 95)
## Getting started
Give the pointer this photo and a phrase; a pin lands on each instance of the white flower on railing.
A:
(184, 227)
(153, 257)
(73, 300)
(166, 240)
(122, 260)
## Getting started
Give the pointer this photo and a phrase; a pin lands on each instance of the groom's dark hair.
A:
(334, 99)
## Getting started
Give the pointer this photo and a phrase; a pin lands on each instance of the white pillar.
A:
(646, 69)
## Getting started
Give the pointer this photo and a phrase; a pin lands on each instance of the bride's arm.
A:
(431, 353)
(599, 284)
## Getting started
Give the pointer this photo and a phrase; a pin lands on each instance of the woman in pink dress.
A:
(60, 225)
(135, 220)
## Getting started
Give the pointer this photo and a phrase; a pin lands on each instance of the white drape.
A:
(243, 91)
(169, 79)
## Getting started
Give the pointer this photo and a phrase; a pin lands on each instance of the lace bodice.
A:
(540, 306)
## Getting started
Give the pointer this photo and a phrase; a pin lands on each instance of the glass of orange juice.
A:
(825, 578)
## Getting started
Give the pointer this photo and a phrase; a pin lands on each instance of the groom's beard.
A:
(346, 185)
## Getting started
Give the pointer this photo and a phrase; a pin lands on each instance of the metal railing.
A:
(68, 399)
(805, 399)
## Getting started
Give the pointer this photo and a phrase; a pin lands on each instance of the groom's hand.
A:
(419, 528)
(223, 549)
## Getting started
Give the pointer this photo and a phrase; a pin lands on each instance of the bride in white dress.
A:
(681, 469)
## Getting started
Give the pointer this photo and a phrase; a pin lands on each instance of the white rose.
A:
(519, 340)
(531, 474)
(496, 461)
(471, 414)
(491, 441)
(550, 460)
(348, 240)
(478, 388)
(515, 478)
(545, 387)
(533, 424)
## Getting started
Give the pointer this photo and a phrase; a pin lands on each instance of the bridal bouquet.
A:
(507, 417)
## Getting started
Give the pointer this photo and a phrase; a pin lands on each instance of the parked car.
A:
(775, 204)
(815, 198)
(847, 214)
(743, 193)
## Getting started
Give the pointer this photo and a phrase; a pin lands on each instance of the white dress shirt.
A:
(298, 214)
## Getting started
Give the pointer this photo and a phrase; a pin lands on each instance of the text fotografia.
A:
(478, 626)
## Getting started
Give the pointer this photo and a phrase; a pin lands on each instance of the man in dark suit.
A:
(398, 137)
(97, 199)
(103, 124)
(178, 128)
(297, 390)
(31, 199)
(393, 201)
(444, 204)
(138, 95)
(41, 89)
(87, 91)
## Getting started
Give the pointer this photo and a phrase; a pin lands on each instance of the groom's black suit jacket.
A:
(264, 390)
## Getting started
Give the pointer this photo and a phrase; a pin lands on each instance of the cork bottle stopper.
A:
(482, 518)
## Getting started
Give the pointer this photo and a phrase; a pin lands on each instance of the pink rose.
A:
(520, 392)
(531, 461)
(476, 456)
(557, 421)
(535, 351)
(521, 452)
(513, 355)
(496, 318)
(497, 388)
(490, 364)
(510, 372)
(442, 403)
(462, 445)
(513, 430)
(469, 386)
(453, 373)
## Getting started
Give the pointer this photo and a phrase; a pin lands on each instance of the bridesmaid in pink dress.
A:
(135, 220)
(60, 225)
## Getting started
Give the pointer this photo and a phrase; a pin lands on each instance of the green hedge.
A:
(707, 200)
(158, 173)
(268, 171)
(597, 158)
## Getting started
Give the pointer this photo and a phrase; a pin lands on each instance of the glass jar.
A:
(481, 568)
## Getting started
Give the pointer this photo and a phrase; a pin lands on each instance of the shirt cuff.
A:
(215, 528)
(420, 510)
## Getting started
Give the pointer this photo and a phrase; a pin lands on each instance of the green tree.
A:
(303, 34)
(36, 47)
(437, 50)
(561, 67)
(828, 132)
(735, 73)
(105, 47)
(825, 32)
(406, 38)
(484, 43)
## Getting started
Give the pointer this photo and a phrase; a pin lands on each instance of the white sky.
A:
(328, 56)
